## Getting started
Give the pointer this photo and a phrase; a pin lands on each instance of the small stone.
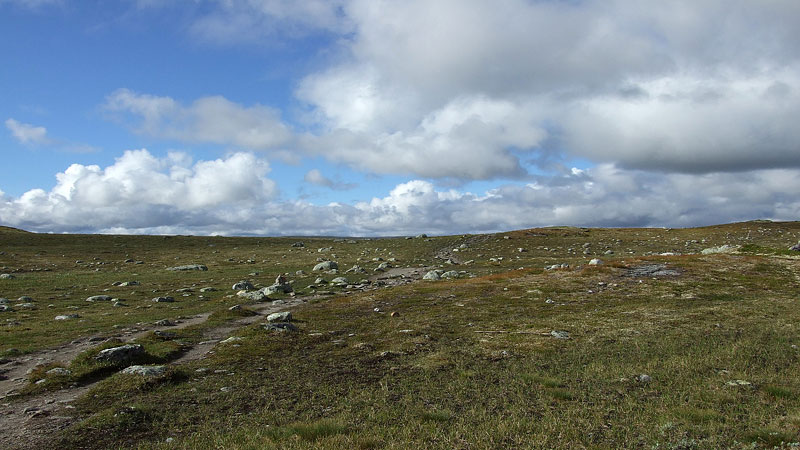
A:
(207, 289)
(59, 371)
(7, 276)
(243, 286)
(121, 354)
(164, 323)
(279, 327)
(285, 316)
(235, 308)
(394, 314)
(188, 267)
(99, 298)
(560, 334)
(145, 371)
(163, 300)
(326, 265)
(67, 317)
(643, 378)
(231, 339)
(595, 262)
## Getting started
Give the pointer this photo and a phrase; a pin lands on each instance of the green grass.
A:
(467, 363)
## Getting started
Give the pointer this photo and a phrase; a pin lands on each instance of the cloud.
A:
(207, 120)
(141, 193)
(32, 4)
(28, 134)
(314, 176)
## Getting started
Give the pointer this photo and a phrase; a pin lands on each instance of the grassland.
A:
(703, 354)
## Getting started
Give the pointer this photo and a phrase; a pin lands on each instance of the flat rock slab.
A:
(146, 371)
(121, 354)
(651, 270)
(188, 267)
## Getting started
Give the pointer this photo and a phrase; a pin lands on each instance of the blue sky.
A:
(359, 117)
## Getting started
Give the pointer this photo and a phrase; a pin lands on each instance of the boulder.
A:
(6, 308)
(163, 300)
(129, 283)
(298, 245)
(433, 275)
(254, 296)
(340, 281)
(188, 267)
(450, 274)
(243, 286)
(145, 371)
(7, 276)
(326, 265)
(281, 327)
(356, 269)
(67, 317)
(595, 262)
(285, 316)
(120, 355)
(99, 298)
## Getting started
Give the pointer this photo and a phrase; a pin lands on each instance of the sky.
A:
(385, 118)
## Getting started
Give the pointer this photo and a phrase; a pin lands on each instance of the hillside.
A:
(672, 338)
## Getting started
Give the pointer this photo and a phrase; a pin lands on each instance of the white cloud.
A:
(208, 119)
(28, 134)
(141, 193)
(314, 176)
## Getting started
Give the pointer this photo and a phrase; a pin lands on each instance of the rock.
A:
(285, 316)
(795, 248)
(320, 280)
(450, 274)
(277, 289)
(651, 270)
(608, 252)
(6, 308)
(235, 308)
(560, 334)
(383, 266)
(340, 281)
(3, 301)
(595, 262)
(120, 355)
(208, 289)
(324, 249)
(422, 236)
(164, 323)
(300, 273)
(25, 306)
(280, 327)
(356, 269)
(298, 245)
(254, 296)
(188, 267)
(25, 299)
(326, 265)
(119, 304)
(243, 286)
(231, 340)
(145, 371)
(7, 276)
(59, 371)
(433, 275)
(129, 283)
(165, 334)
(99, 298)
(521, 250)
(721, 249)
(643, 378)
(68, 317)
(163, 300)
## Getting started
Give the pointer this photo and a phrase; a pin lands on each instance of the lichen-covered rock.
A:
(326, 265)
(285, 316)
(99, 298)
(145, 371)
(120, 355)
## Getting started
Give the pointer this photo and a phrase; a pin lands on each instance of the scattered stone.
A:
(422, 236)
(281, 327)
(7, 276)
(164, 323)
(25, 305)
(643, 378)
(68, 317)
(595, 262)
(145, 371)
(433, 275)
(340, 281)
(243, 286)
(165, 334)
(324, 249)
(356, 269)
(231, 340)
(738, 383)
(721, 249)
(120, 355)
(25, 299)
(795, 248)
(560, 334)
(326, 265)
(285, 316)
(59, 371)
(99, 298)
(450, 274)
(188, 267)
(235, 308)
(651, 270)
(254, 296)
(394, 314)
(163, 300)
(320, 280)
(6, 308)
(208, 289)
(129, 283)
(298, 245)
(119, 304)
(557, 266)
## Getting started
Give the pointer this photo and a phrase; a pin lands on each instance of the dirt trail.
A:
(26, 424)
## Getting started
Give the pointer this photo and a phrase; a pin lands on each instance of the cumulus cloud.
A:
(314, 176)
(207, 120)
(28, 134)
(141, 193)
